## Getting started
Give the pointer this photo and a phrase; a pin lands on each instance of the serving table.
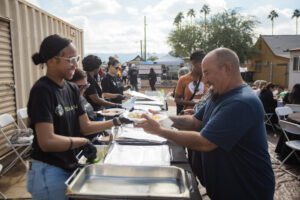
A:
(177, 159)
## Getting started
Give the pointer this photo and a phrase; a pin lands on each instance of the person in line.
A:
(267, 98)
(119, 72)
(112, 84)
(258, 86)
(190, 86)
(58, 121)
(101, 74)
(293, 97)
(152, 79)
(91, 64)
(124, 75)
(199, 104)
(133, 78)
(182, 71)
(228, 133)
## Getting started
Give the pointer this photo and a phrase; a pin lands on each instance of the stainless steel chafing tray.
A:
(123, 182)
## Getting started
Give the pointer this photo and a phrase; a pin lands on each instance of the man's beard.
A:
(214, 95)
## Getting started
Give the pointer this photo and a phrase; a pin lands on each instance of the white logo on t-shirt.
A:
(200, 89)
(59, 110)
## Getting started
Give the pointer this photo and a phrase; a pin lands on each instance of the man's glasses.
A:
(84, 87)
(73, 60)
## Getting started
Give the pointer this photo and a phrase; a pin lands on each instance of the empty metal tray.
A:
(123, 182)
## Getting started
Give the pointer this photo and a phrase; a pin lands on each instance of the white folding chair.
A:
(289, 127)
(5, 121)
(22, 116)
(268, 122)
(283, 112)
(294, 107)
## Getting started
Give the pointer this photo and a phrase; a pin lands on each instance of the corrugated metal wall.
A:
(7, 91)
(29, 25)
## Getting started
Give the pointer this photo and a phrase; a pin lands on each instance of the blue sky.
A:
(116, 26)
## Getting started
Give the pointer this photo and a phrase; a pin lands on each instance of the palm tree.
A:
(273, 14)
(205, 10)
(178, 19)
(296, 14)
(191, 14)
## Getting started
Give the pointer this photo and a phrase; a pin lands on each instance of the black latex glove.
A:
(90, 152)
(117, 121)
(127, 87)
(120, 96)
(125, 120)
(118, 106)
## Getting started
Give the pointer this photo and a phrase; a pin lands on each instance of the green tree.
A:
(185, 40)
(228, 29)
(152, 58)
(191, 13)
(296, 14)
(205, 10)
(178, 19)
(234, 31)
(273, 14)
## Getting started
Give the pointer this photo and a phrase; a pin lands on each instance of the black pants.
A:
(124, 78)
(135, 87)
(152, 85)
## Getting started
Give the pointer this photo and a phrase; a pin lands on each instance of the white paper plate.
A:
(111, 112)
(136, 116)
(147, 107)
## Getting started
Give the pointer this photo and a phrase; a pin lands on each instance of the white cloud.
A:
(132, 11)
(117, 26)
(76, 1)
(283, 24)
(108, 36)
(93, 7)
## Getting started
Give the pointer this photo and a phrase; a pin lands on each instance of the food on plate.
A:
(156, 117)
(136, 114)
(111, 111)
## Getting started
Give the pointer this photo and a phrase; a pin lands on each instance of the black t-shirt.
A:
(152, 77)
(87, 107)
(112, 84)
(93, 89)
(269, 103)
(59, 105)
(133, 75)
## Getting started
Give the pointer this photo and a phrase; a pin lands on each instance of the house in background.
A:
(137, 60)
(273, 60)
(294, 67)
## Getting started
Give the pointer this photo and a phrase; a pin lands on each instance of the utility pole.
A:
(145, 50)
(141, 42)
